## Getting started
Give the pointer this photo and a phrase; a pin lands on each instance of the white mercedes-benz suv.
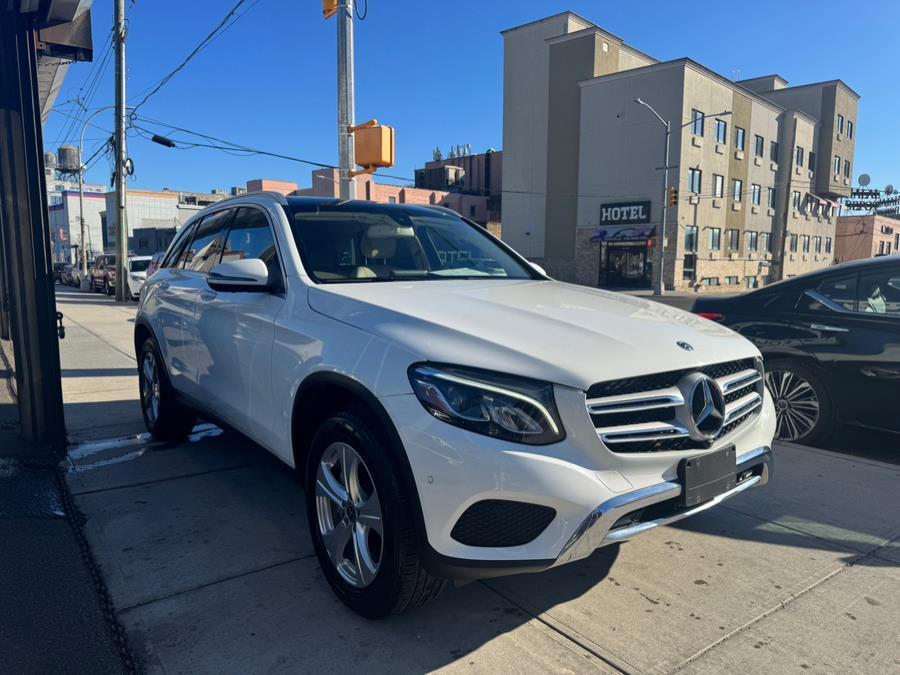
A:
(451, 411)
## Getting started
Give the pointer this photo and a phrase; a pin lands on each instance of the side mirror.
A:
(540, 270)
(250, 275)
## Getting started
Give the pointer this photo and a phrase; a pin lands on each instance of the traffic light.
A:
(374, 146)
(673, 196)
(329, 8)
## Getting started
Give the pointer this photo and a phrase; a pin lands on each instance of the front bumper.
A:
(599, 497)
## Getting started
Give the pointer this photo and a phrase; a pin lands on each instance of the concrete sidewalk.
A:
(206, 553)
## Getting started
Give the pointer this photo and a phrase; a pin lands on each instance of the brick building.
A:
(859, 237)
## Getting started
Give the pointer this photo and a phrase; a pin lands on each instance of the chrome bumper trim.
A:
(615, 507)
(628, 532)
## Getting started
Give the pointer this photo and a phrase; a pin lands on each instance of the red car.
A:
(103, 274)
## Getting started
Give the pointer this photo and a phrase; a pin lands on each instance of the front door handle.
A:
(208, 295)
(825, 328)
(163, 285)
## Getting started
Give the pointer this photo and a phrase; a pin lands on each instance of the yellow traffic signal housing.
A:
(329, 8)
(374, 146)
(673, 196)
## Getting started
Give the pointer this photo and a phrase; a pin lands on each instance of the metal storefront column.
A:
(28, 283)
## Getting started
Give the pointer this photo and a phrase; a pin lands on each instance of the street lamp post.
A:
(658, 279)
(84, 284)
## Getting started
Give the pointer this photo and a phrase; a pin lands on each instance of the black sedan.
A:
(831, 343)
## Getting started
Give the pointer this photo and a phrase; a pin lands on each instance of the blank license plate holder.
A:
(706, 477)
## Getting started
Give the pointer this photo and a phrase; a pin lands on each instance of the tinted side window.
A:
(250, 237)
(839, 292)
(173, 257)
(879, 292)
(206, 245)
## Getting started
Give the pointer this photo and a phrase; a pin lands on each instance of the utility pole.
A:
(121, 154)
(346, 98)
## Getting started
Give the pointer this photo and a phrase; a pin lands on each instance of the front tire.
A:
(164, 416)
(360, 521)
(803, 407)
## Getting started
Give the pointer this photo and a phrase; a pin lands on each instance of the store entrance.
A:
(625, 264)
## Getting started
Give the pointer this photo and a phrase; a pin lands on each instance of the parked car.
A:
(103, 274)
(831, 342)
(137, 274)
(77, 274)
(451, 411)
(65, 274)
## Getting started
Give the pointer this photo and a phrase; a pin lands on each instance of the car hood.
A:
(563, 333)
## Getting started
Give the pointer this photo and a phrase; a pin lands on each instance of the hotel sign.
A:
(625, 213)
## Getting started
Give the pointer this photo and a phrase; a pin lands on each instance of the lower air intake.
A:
(500, 522)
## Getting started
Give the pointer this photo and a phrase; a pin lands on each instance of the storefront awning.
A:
(624, 233)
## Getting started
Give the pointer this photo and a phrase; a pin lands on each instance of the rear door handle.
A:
(825, 328)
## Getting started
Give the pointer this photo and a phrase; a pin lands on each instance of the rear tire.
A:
(164, 416)
(803, 406)
(373, 565)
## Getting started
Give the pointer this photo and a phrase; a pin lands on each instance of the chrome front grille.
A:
(639, 414)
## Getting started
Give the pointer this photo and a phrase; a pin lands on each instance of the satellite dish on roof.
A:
(889, 190)
(864, 179)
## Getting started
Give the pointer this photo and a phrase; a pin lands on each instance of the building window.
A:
(881, 247)
(739, 138)
(766, 241)
(721, 131)
(752, 241)
(840, 123)
(798, 159)
(392, 200)
(793, 243)
(759, 147)
(773, 151)
(695, 180)
(837, 165)
(752, 282)
(731, 281)
(771, 201)
(846, 168)
(689, 271)
(715, 239)
(690, 238)
(817, 244)
(755, 194)
(719, 182)
(849, 129)
(812, 161)
(795, 199)
(827, 244)
(472, 211)
(697, 122)
(711, 281)
(738, 191)
(734, 239)
(804, 241)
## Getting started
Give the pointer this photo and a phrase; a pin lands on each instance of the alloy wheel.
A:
(796, 404)
(349, 515)
(150, 391)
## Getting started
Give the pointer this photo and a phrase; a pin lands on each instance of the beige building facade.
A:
(754, 163)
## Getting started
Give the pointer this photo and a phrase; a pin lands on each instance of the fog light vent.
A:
(500, 523)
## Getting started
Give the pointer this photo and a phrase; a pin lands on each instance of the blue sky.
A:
(434, 71)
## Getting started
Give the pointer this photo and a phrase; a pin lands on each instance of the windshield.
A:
(139, 265)
(341, 245)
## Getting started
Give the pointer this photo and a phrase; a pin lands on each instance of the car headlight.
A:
(512, 408)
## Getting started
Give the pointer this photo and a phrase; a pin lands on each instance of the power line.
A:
(220, 28)
(229, 146)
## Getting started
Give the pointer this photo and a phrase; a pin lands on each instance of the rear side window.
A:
(206, 245)
(879, 292)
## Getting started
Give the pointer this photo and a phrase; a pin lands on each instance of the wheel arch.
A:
(324, 393)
